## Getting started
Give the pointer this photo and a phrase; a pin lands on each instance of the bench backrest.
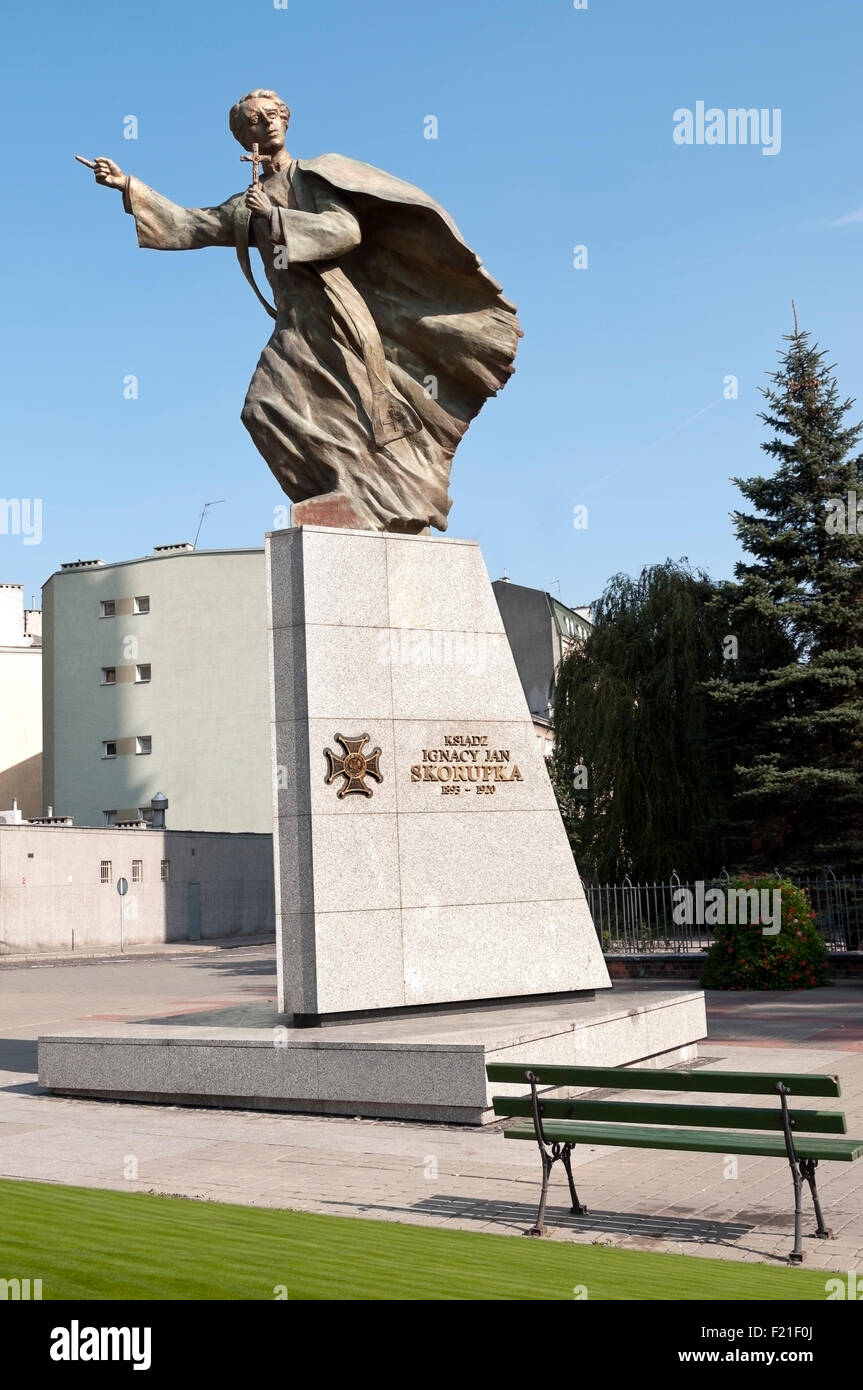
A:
(644, 1113)
(643, 1078)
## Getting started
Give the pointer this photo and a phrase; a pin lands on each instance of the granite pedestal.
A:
(430, 916)
(444, 874)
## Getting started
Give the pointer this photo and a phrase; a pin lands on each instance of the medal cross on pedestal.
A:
(355, 766)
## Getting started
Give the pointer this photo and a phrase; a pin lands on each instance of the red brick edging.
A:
(843, 965)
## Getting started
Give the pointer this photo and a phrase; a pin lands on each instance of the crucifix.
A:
(255, 159)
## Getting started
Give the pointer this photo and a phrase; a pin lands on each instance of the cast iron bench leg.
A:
(797, 1168)
(797, 1252)
(538, 1229)
(548, 1159)
(807, 1168)
(577, 1209)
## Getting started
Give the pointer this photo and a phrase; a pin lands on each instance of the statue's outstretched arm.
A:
(165, 226)
(161, 224)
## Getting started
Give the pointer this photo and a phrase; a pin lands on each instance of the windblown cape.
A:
(387, 269)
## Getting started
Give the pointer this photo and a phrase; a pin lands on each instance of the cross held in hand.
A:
(255, 159)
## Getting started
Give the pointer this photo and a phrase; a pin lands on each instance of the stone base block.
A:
(417, 1068)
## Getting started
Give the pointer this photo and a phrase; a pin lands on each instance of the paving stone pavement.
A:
(448, 1176)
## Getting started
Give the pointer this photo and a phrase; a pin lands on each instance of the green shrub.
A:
(742, 957)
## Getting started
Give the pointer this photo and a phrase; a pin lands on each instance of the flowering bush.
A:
(742, 957)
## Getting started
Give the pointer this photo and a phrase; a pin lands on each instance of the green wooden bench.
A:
(557, 1125)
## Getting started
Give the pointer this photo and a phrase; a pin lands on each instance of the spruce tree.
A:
(803, 789)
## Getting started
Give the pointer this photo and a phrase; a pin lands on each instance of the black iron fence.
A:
(838, 907)
(641, 918)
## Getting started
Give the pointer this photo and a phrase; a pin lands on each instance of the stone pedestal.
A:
(441, 876)
(422, 859)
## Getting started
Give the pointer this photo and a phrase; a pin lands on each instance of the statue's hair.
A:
(236, 116)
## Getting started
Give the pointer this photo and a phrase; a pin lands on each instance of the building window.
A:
(109, 748)
(105, 872)
(109, 675)
(109, 817)
(108, 608)
(142, 673)
(165, 870)
(142, 603)
(144, 744)
(137, 871)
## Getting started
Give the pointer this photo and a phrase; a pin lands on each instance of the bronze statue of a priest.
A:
(389, 335)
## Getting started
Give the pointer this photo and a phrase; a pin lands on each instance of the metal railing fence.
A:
(643, 918)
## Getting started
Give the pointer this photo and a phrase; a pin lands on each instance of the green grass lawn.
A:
(88, 1244)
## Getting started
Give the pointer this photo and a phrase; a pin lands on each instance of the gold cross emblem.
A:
(354, 766)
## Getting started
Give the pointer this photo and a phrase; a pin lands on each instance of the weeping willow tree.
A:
(639, 767)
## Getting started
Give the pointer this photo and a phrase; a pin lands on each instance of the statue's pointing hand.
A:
(108, 173)
(258, 202)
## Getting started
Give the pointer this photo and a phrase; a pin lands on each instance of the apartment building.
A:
(155, 681)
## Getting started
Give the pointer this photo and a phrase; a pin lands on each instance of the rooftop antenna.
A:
(206, 507)
(557, 582)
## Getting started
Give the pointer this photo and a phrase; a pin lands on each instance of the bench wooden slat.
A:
(647, 1113)
(701, 1141)
(641, 1078)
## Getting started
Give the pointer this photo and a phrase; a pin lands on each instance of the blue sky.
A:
(555, 130)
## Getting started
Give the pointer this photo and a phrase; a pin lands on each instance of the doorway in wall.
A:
(193, 911)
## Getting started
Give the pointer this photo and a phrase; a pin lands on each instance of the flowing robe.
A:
(389, 335)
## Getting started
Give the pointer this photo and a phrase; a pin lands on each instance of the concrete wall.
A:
(205, 707)
(50, 887)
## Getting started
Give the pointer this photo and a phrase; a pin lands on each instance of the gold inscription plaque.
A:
(466, 762)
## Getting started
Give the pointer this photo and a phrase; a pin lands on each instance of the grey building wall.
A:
(52, 897)
(532, 636)
(541, 632)
(205, 706)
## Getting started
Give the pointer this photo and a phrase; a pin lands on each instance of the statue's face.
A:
(263, 125)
